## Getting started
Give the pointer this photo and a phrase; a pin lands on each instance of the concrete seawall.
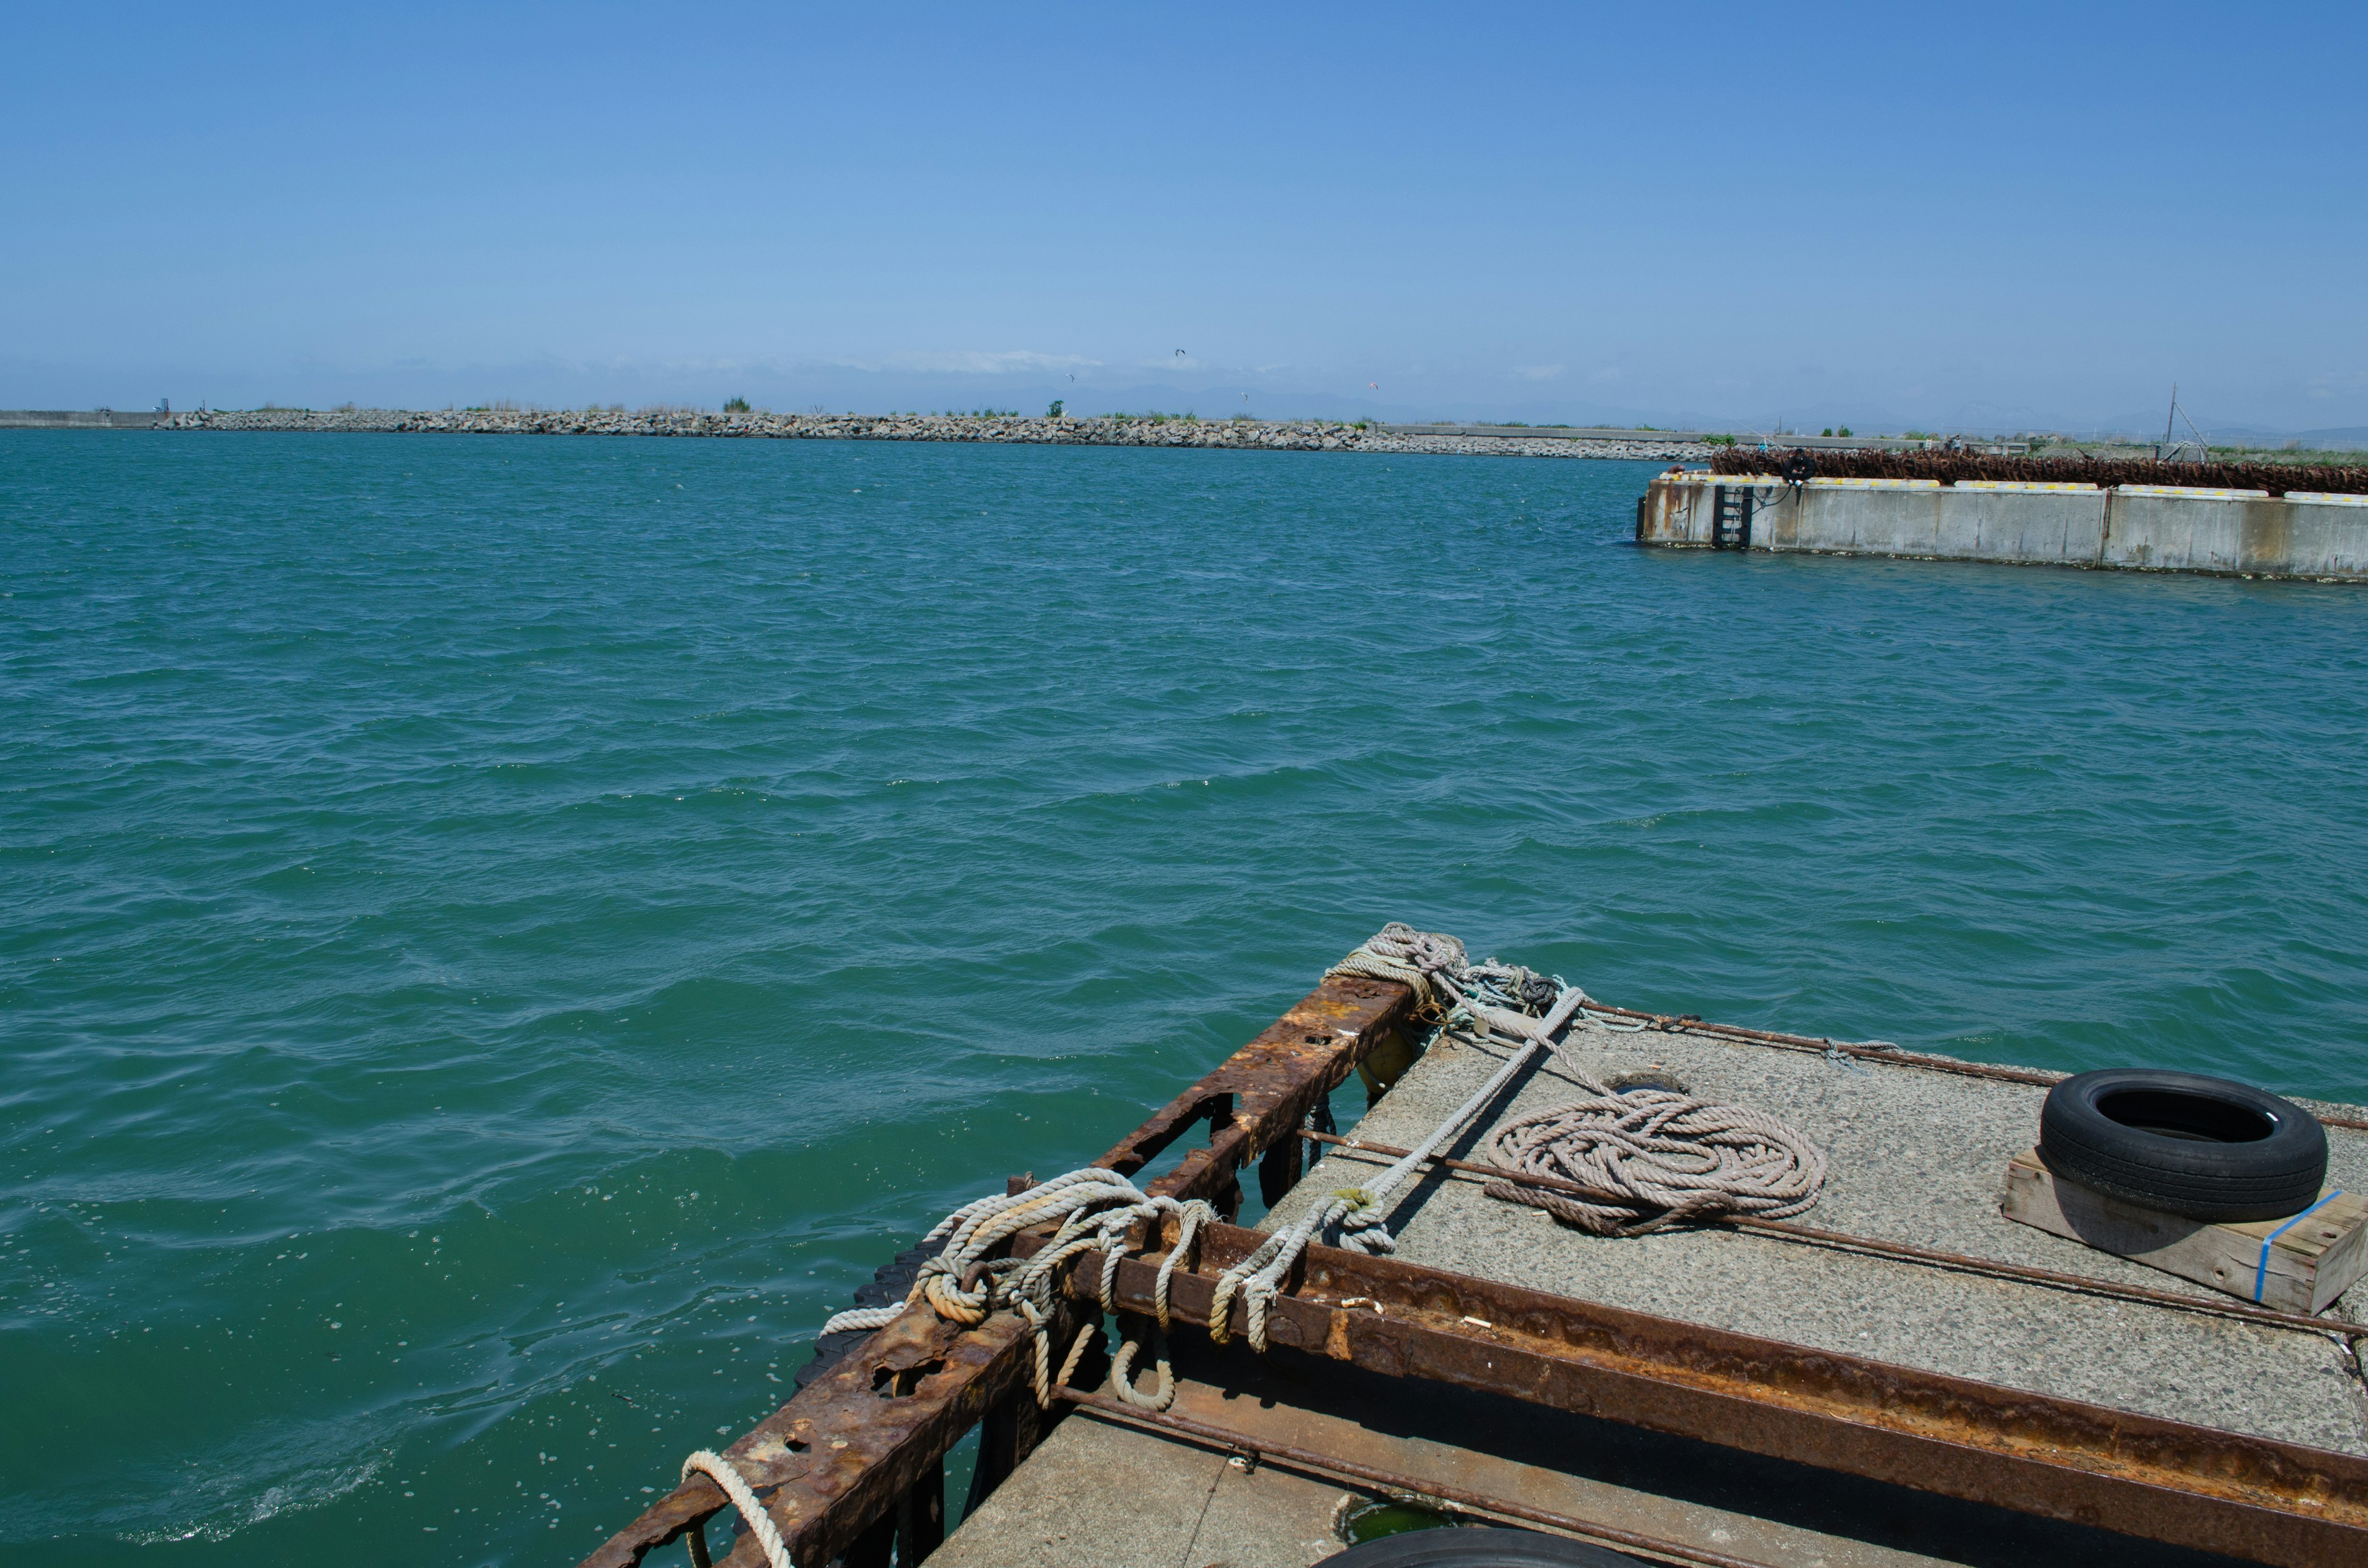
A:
(2130, 527)
(1755, 439)
(77, 419)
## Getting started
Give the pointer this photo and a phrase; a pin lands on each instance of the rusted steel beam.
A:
(2245, 1497)
(851, 1446)
(1259, 1095)
(854, 1443)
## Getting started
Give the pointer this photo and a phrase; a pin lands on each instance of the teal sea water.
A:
(499, 936)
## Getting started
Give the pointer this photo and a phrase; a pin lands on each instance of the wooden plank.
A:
(2297, 1265)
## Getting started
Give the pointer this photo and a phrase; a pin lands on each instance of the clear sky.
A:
(1980, 219)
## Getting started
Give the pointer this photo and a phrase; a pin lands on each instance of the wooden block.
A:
(2296, 1265)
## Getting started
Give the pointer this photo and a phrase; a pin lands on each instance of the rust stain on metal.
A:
(843, 1451)
(1262, 1093)
(2140, 1475)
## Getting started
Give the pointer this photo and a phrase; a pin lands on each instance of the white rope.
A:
(1123, 1372)
(760, 1524)
(963, 1285)
(1397, 951)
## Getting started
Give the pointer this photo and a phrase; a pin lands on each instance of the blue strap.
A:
(2261, 1271)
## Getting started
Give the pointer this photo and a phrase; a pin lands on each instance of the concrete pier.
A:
(2141, 528)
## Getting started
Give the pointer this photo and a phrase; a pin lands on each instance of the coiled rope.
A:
(1673, 1158)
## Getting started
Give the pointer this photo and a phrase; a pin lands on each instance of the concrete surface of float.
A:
(1915, 1155)
(2138, 528)
(1102, 1493)
(1098, 1495)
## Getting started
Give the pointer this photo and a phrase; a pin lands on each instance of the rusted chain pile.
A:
(1950, 467)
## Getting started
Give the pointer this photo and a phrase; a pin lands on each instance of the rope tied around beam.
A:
(721, 1471)
(1098, 1209)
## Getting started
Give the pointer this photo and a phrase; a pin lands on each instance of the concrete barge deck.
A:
(1916, 1156)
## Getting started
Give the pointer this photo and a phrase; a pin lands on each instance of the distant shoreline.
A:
(1120, 430)
(1241, 434)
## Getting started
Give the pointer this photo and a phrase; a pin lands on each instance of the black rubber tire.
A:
(2204, 1148)
(889, 1285)
(1479, 1546)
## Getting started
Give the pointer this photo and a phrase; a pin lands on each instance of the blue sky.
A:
(1986, 218)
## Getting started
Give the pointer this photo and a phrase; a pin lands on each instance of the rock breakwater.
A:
(1263, 435)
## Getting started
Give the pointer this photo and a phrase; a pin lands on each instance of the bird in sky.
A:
(1180, 354)
(1375, 385)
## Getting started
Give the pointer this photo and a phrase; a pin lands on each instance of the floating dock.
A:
(2143, 527)
(1901, 1375)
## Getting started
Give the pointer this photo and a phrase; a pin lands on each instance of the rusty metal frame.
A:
(2138, 1475)
(1256, 1099)
(864, 1446)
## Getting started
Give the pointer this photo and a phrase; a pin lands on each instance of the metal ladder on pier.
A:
(1730, 517)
